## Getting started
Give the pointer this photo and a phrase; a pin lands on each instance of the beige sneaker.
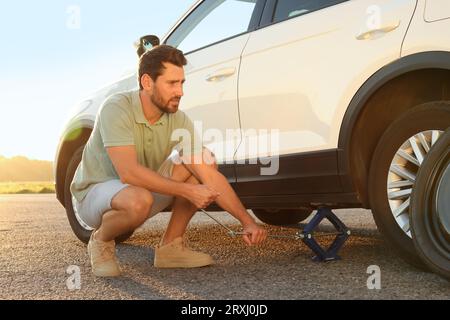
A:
(103, 257)
(177, 255)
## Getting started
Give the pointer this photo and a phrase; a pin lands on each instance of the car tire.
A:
(82, 231)
(279, 217)
(432, 118)
(430, 208)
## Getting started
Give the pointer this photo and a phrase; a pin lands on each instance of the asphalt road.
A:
(37, 247)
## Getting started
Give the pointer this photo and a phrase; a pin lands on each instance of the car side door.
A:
(213, 48)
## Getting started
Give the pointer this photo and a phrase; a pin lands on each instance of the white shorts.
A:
(98, 199)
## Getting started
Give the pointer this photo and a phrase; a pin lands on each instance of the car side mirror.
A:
(145, 44)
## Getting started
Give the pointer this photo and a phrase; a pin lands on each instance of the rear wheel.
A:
(280, 217)
(81, 229)
(396, 161)
(430, 208)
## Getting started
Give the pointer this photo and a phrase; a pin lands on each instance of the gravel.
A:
(38, 247)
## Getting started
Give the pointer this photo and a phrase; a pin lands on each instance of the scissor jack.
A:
(307, 234)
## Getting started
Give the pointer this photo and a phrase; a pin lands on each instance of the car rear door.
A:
(299, 72)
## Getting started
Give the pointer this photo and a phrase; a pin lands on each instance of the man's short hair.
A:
(151, 62)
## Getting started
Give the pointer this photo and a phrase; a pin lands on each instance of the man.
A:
(129, 173)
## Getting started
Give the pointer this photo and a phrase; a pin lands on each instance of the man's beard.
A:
(165, 106)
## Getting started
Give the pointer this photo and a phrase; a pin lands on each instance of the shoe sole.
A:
(106, 275)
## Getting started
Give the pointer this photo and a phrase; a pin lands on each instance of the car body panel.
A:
(289, 94)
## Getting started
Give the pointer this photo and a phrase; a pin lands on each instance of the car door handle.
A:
(374, 33)
(220, 74)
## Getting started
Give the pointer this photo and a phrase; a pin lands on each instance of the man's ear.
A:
(146, 82)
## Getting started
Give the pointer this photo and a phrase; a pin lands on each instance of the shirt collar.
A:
(139, 113)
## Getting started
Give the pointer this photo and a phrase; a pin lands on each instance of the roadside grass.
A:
(24, 187)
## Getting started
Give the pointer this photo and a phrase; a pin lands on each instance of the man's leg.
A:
(182, 212)
(172, 252)
(182, 209)
(130, 209)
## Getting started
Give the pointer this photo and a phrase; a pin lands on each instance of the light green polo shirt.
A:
(120, 121)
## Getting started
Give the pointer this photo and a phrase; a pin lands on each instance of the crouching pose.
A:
(129, 170)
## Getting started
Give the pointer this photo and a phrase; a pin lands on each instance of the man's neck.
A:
(151, 112)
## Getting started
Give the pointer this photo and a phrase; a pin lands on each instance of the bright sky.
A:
(49, 60)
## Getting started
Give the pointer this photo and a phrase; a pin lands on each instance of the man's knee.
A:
(207, 158)
(139, 206)
(210, 159)
(182, 174)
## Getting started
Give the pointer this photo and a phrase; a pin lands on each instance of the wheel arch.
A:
(403, 84)
(75, 136)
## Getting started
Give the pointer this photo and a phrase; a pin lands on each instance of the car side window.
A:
(286, 9)
(212, 21)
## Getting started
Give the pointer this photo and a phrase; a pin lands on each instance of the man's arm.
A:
(228, 200)
(124, 159)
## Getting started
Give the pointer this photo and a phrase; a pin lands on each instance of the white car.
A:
(358, 90)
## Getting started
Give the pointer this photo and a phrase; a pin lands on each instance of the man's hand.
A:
(201, 195)
(254, 234)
